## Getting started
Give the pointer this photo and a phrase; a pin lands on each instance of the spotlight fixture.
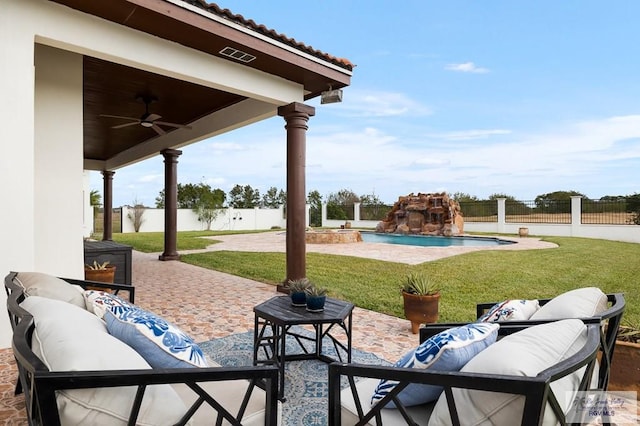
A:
(331, 96)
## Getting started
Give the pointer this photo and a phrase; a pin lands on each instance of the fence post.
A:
(576, 215)
(356, 213)
(502, 216)
(307, 215)
(324, 214)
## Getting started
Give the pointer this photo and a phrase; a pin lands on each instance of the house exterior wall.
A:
(58, 187)
(41, 135)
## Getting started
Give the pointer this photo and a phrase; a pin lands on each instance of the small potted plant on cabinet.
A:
(316, 298)
(297, 289)
(101, 272)
(421, 297)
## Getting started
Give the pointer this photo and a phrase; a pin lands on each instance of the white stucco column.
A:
(576, 215)
(16, 140)
(502, 215)
(356, 212)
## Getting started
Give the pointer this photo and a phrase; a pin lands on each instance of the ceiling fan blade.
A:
(120, 126)
(118, 116)
(153, 117)
(158, 130)
(179, 126)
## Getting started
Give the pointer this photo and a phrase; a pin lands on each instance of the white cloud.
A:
(469, 134)
(584, 156)
(466, 67)
(371, 103)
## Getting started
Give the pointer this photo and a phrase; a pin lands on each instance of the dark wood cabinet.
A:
(117, 254)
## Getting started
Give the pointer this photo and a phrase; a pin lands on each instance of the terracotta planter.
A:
(625, 367)
(101, 275)
(523, 232)
(420, 309)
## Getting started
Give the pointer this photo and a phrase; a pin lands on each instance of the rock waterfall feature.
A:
(424, 214)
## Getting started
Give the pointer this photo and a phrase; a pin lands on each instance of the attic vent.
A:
(237, 55)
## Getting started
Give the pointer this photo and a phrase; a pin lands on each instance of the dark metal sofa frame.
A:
(535, 390)
(40, 384)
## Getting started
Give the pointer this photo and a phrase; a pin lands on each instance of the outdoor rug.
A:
(306, 381)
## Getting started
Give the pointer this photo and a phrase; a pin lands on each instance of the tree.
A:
(340, 204)
(493, 197)
(273, 198)
(95, 199)
(190, 196)
(371, 208)
(244, 197)
(209, 204)
(557, 201)
(463, 197)
(136, 216)
(314, 199)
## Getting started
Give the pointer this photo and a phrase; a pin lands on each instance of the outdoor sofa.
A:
(73, 371)
(528, 375)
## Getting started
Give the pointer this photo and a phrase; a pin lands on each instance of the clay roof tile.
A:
(262, 29)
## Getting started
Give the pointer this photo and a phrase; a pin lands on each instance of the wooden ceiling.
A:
(115, 90)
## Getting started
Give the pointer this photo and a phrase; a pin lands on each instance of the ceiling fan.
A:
(147, 119)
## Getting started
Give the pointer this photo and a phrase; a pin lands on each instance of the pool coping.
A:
(411, 255)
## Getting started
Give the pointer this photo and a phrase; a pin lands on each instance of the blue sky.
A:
(518, 98)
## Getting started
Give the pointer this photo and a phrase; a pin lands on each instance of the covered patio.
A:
(208, 304)
(98, 86)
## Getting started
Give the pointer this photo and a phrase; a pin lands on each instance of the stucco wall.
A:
(228, 219)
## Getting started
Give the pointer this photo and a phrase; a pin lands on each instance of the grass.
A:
(467, 279)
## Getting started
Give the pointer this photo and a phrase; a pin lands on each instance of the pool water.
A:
(432, 241)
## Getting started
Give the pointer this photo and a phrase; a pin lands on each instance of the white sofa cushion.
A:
(390, 416)
(579, 303)
(525, 353)
(229, 394)
(68, 338)
(511, 310)
(449, 350)
(161, 343)
(45, 285)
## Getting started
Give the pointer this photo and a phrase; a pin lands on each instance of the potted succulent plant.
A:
(421, 296)
(101, 272)
(296, 290)
(316, 298)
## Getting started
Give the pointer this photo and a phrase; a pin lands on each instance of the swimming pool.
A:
(432, 241)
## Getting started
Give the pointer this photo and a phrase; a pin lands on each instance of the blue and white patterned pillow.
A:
(449, 350)
(98, 302)
(511, 310)
(160, 343)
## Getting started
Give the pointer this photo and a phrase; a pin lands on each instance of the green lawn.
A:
(153, 242)
(483, 276)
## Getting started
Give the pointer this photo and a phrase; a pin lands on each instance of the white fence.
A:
(228, 219)
(628, 233)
